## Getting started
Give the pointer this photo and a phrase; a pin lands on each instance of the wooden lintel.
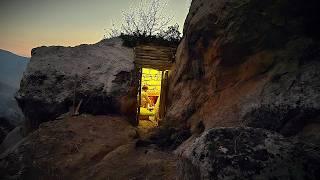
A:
(146, 61)
(148, 58)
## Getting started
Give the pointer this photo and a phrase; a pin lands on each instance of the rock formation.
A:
(248, 153)
(58, 78)
(248, 62)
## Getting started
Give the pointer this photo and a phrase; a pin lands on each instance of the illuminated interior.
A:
(149, 109)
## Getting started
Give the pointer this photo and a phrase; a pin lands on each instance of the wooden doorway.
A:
(153, 64)
(150, 97)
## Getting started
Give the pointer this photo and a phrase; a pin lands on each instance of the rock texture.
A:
(100, 74)
(248, 62)
(85, 147)
(248, 153)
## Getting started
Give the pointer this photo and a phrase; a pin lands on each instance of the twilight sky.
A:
(25, 24)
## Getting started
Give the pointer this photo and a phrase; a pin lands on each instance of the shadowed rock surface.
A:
(85, 147)
(248, 153)
(99, 74)
(248, 62)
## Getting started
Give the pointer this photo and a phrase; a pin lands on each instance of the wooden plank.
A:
(154, 51)
(148, 61)
(166, 66)
(153, 58)
(164, 94)
(156, 48)
(154, 54)
(153, 62)
(139, 94)
(154, 67)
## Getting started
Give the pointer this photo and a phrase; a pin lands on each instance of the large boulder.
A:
(247, 153)
(248, 62)
(57, 78)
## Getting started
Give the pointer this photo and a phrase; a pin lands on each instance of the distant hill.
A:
(12, 67)
(11, 71)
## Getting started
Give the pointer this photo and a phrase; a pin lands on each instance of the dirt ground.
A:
(96, 147)
(145, 127)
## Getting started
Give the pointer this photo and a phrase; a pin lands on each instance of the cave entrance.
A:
(153, 64)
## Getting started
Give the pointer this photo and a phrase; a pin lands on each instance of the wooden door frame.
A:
(139, 69)
(163, 92)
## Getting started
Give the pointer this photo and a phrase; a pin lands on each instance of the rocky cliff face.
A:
(101, 75)
(248, 62)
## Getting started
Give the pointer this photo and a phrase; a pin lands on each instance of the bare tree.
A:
(171, 34)
(112, 32)
(146, 18)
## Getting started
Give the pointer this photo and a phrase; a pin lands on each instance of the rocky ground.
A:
(247, 153)
(86, 147)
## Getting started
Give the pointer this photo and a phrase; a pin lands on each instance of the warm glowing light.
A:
(149, 116)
